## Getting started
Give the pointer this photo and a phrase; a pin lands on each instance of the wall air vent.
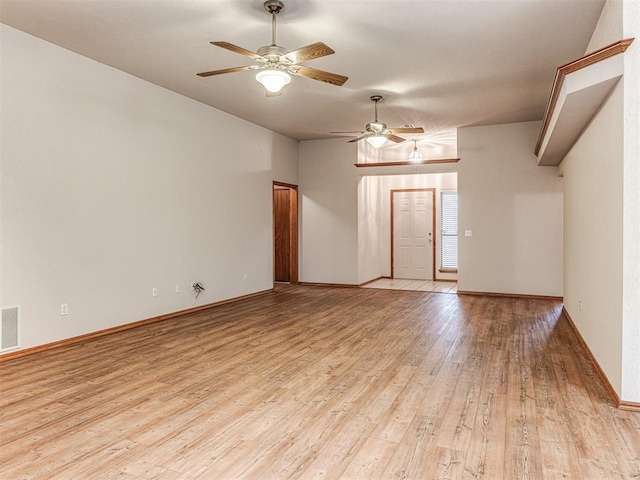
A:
(9, 329)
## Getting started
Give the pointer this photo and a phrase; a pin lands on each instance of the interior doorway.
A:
(375, 227)
(285, 232)
(413, 233)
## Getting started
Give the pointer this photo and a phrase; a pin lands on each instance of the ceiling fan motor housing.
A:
(274, 51)
(376, 127)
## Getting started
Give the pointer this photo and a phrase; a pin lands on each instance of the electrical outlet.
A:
(244, 276)
(64, 309)
(177, 289)
(154, 292)
(468, 233)
(580, 305)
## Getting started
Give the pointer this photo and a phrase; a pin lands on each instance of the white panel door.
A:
(413, 235)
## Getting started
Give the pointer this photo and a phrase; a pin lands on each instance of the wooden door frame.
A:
(433, 220)
(293, 230)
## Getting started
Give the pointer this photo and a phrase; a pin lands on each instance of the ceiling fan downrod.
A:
(274, 7)
(376, 99)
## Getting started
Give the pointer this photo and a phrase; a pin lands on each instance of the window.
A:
(448, 231)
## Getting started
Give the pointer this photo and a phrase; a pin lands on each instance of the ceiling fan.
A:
(275, 63)
(376, 133)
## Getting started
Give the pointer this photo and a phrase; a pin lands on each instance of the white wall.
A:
(328, 195)
(514, 209)
(631, 210)
(601, 233)
(112, 186)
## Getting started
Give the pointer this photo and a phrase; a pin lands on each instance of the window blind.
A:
(449, 230)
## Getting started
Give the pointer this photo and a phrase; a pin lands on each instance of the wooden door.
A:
(282, 228)
(285, 233)
(413, 242)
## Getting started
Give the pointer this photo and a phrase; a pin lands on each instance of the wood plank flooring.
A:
(315, 382)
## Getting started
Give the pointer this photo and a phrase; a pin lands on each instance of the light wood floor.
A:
(315, 382)
(418, 285)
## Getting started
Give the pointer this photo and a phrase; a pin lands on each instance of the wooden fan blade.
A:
(332, 78)
(357, 139)
(237, 49)
(225, 70)
(394, 138)
(310, 52)
(407, 130)
(358, 132)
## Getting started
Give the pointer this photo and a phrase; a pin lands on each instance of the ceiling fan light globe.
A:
(376, 141)
(273, 80)
(415, 157)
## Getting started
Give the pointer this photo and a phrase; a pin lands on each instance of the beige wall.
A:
(370, 229)
(112, 186)
(328, 211)
(631, 209)
(514, 210)
(593, 236)
(602, 267)
(609, 27)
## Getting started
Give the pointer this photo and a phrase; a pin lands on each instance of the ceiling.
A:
(439, 64)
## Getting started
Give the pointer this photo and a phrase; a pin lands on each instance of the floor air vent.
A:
(9, 330)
